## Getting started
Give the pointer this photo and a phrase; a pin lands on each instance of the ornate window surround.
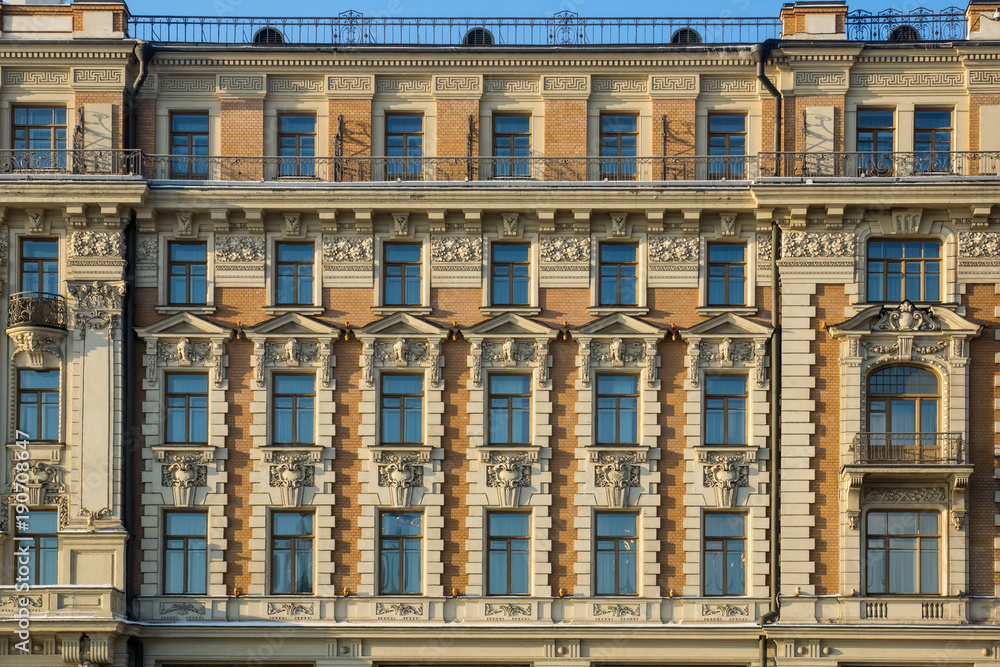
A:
(387, 104)
(402, 230)
(618, 476)
(163, 241)
(293, 230)
(292, 476)
(402, 476)
(510, 229)
(728, 477)
(620, 229)
(178, 475)
(509, 476)
(936, 338)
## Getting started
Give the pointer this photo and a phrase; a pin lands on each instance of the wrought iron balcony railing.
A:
(862, 165)
(37, 309)
(909, 448)
(92, 161)
(353, 28)
(892, 25)
(450, 169)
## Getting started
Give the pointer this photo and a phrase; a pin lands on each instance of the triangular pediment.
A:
(292, 325)
(906, 319)
(510, 325)
(183, 324)
(618, 324)
(401, 325)
(726, 325)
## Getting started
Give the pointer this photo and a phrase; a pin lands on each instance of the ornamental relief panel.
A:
(507, 473)
(618, 353)
(510, 353)
(617, 473)
(292, 353)
(401, 472)
(292, 473)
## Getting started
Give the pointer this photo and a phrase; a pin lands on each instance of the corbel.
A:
(617, 227)
(436, 218)
(764, 217)
(654, 221)
(76, 215)
(981, 216)
(797, 217)
(185, 223)
(36, 220)
(328, 219)
(220, 219)
(546, 220)
(363, 220)
(401, 224)
(581, 220)
(145, 219)
(692, 220)
(110, 213)
(255, 220)
(473, 221)
(509, 226)
(293, 223)
(727, 224)
(834, 217)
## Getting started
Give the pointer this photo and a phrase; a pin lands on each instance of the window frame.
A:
(23, 258)
(187, 274)
(933, 151)
(925, 276)
(638, 285)
(293, 550)
(382, 395)
(602, 373)
(508, 550)
(726, 410)
(39, 403)
(709, 264)
(189, 158)
(297, 288)
(939, 536)
(870, 161)
(186, 550)
(511, 166)
(294, 409)
(510, 409)
(721, 166)
(303, 166)
(58, 156)
(37, 550)
(617, 551)
(401, 551)
(724, 551)
(187, 408)
(510, 278)
(386, 264)
(409, 167)
(625, 167)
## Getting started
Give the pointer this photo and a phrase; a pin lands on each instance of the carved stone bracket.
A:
(617, 473)
(292, 473)
(726, 473)
(508, 473)
(183, 473)
(98, 305)
(42, 481)
(400, 472)
(34, 344)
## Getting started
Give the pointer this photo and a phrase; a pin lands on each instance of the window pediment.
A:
(618, 341)
(727, 341)
(293, 340)
(904, 319)
(402, 341)
(510, 341)
(184, 340)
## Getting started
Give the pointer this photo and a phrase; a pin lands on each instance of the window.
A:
(617, 409)
(727, 273)
(297, 144)
(295, 274)
(727, 145)
(903, 553)
(291, 553)
(511, 146)
(903, 415)
(876, 142)
(38, 404)
(904, 270)
(619, 145)
(39, 135)
(187, 408)
(40, 266)
(510, 409)
(399, 548)
(509, 562)
(189, 136)
(725, 410)
(511, 270)
(404, 146)
(185, 561)
(402, 274)
(617, 554)
(39, 535)
(402, 409)
(188, 271)
(618, 286)
(932, 140)
(724, 571)
(294, 401)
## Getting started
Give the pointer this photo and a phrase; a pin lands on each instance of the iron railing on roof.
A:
(892, 25)
(861, 164)
(353, 28)
(100, 162)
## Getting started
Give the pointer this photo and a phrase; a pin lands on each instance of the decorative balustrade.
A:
(100, 162)
(896, 164)
(36, 309)
(892, 25)
(909, 448)
(353, 28)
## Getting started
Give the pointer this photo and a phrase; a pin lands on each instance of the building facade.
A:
(555, 342)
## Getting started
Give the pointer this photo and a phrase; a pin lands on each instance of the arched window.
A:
(904, 33)
(685, 36)
(903, 406)
(268, 36)
(478, 37)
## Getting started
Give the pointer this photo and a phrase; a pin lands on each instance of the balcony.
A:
(91, 162)
(882, 164)
(36, 309)
(889, 449)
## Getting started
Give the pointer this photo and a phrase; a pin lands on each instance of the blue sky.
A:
(526, 8)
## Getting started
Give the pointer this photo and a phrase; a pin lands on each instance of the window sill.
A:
(719, 310)
(391, 310)
(305, 310)
(194, 310)
(493, 311)
(611, 310)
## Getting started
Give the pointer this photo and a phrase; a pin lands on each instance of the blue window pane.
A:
(402, 252)
(512, 124)
(726, 384)
(610, 524)
(724, 525)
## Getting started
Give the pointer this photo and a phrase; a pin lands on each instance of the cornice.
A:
(587, 64)
(908, 59)
(11, 57)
